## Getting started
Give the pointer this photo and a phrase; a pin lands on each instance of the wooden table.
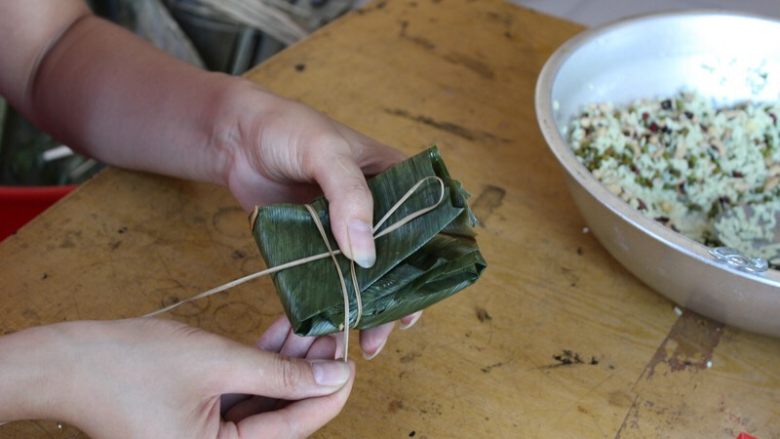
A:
(557, 340)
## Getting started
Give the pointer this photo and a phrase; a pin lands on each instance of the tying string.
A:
(344, 326)
(332, 254)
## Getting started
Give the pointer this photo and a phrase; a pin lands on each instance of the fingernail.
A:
(410, 323)
(330, 373)
(370, 355)
(361, 243)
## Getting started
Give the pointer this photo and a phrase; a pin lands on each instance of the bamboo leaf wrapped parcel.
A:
(422, 262)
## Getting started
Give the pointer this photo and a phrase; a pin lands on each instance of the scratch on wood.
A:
(631, 418)
(691, 341)
(450, 127)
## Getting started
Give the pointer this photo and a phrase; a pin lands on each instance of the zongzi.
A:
(421, 262)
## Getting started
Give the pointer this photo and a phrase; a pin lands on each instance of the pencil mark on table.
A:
(589, 391)
(483, 315)
(473, 64)
(500, 18)
(227, 316)
(619, 398)
(455, 58)
(170, 295)
(416, 39)
(43, 429)
(489, 368)
(31, 315)
(371, 8)
(570, 276)
(395, 405)
(567, 357)
(229, 221)
(430, 407)
(68, 239)
(449, 127)
(75, 304)
(411, 356)
(252, 264)
(488, 201)
(737, 420)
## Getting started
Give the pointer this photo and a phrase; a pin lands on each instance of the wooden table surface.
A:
(556, 340)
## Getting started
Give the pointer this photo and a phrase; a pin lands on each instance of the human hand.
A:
(149, 378)
(280, 150)
(279, 339)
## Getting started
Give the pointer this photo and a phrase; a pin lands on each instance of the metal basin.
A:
(728, 57)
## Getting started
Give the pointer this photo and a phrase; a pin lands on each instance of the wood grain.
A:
(556, 340)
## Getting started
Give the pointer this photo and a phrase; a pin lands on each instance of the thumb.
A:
(266, 374)
(351, 206)
(298, 419)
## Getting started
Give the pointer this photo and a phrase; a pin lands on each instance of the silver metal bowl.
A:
(726, 56)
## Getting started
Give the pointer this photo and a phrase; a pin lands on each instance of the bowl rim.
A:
(562, 151)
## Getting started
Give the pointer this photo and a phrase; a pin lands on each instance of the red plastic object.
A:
(20, 204)
(745, 436)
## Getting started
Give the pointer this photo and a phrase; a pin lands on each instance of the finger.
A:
(250, 407)
(255, 189)
(349, 201)
(372, 156)
(299, 419)
(339, 338)
(373, 340)
(237, 406)
(274, 337)
(249, 370)
(324, 348)
(296, 346)
(230, 400)
(409, 321)
(378, 158)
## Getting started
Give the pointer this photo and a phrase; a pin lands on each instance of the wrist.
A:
(32, 375)
(241, 113)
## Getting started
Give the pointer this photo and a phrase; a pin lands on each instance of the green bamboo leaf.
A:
(419, 264)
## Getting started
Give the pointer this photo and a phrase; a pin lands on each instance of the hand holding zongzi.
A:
(112, 96)
(426, 251)
(290, 154)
